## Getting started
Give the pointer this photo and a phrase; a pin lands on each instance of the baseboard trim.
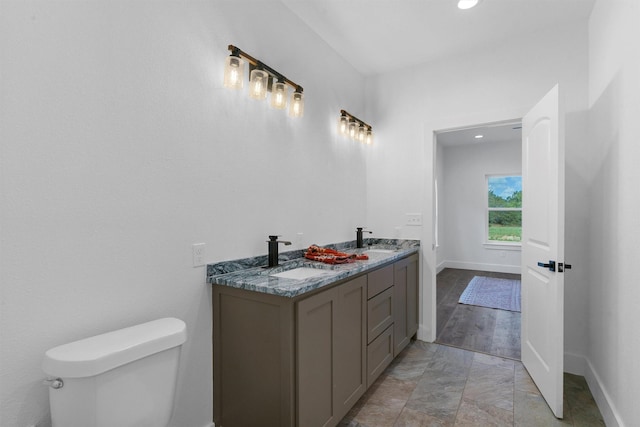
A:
(499, 268)
(603, 399)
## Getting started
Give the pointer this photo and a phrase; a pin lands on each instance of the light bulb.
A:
(353, 129)
(343, 125)
(362, 133)
(296, 107)
(369, 137)
(258, 84)
(279, 96)
(467, 4)
(234, 72)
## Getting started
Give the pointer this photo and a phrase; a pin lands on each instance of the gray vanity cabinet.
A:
(305, 361)
(405, 296)
(331, 333)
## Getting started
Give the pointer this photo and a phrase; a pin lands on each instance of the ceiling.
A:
(379, 36)
(498, 132)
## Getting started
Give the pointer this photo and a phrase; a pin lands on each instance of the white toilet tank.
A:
(124, 378)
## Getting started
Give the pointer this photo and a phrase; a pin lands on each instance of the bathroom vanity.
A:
(296, 347)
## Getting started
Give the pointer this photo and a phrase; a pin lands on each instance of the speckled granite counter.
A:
(249, 273)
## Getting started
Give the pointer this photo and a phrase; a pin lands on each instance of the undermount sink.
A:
(381, 251)
(301, 273)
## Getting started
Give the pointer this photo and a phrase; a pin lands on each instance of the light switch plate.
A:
(198, 250)
(414, 219)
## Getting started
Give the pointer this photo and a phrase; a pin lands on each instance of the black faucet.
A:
(273, 249)
(359, 241)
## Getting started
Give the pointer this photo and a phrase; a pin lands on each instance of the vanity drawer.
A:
(379, 314)
(379, 355)
(379, 280)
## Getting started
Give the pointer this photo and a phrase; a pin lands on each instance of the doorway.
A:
(465, 246)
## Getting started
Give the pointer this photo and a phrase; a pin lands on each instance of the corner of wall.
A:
(602, 397)
(574, 363)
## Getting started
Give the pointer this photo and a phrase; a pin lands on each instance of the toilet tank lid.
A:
(101, 353)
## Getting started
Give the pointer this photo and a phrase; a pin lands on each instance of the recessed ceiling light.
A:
(467, 4)
(479, 136)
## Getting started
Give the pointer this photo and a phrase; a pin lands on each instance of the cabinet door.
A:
(412, 296)
(331, 335)
(350, 345)
(405, 302)
(400, 332)
(316, 318)
(253, 336)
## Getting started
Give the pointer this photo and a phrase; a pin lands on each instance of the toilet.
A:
(124, 378)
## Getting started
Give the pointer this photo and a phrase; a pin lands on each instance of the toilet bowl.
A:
(124, 378)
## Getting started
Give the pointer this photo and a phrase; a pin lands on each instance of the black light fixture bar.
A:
(351, 116)
(235, 51)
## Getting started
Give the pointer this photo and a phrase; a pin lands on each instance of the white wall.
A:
(487, 86)
(463, 202)
(614, 100)
(438, 198)
(120, 149)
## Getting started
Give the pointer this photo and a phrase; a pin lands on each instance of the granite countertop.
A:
(249, 273)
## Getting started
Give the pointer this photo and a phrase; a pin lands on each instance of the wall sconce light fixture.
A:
(351, 126)
(262, 79)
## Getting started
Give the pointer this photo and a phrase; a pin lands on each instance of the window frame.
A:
(498, 244)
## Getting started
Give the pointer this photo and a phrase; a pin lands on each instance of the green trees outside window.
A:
(504, 208)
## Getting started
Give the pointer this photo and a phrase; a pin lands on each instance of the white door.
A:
(543, 247)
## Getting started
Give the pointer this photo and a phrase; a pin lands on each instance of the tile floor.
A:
(437, 385)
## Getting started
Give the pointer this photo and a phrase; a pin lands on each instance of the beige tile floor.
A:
(437, 385)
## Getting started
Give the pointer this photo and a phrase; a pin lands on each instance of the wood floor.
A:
(480, 329)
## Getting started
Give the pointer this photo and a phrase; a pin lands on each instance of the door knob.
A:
(551, 266)
(563, 267)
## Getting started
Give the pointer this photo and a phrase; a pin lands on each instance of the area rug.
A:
(492, 292)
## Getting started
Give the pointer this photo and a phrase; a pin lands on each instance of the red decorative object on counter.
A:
(331, 256)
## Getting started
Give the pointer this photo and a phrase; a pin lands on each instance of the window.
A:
(504, 208)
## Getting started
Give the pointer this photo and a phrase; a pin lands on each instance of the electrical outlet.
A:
(414, 219)
(198, 250)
